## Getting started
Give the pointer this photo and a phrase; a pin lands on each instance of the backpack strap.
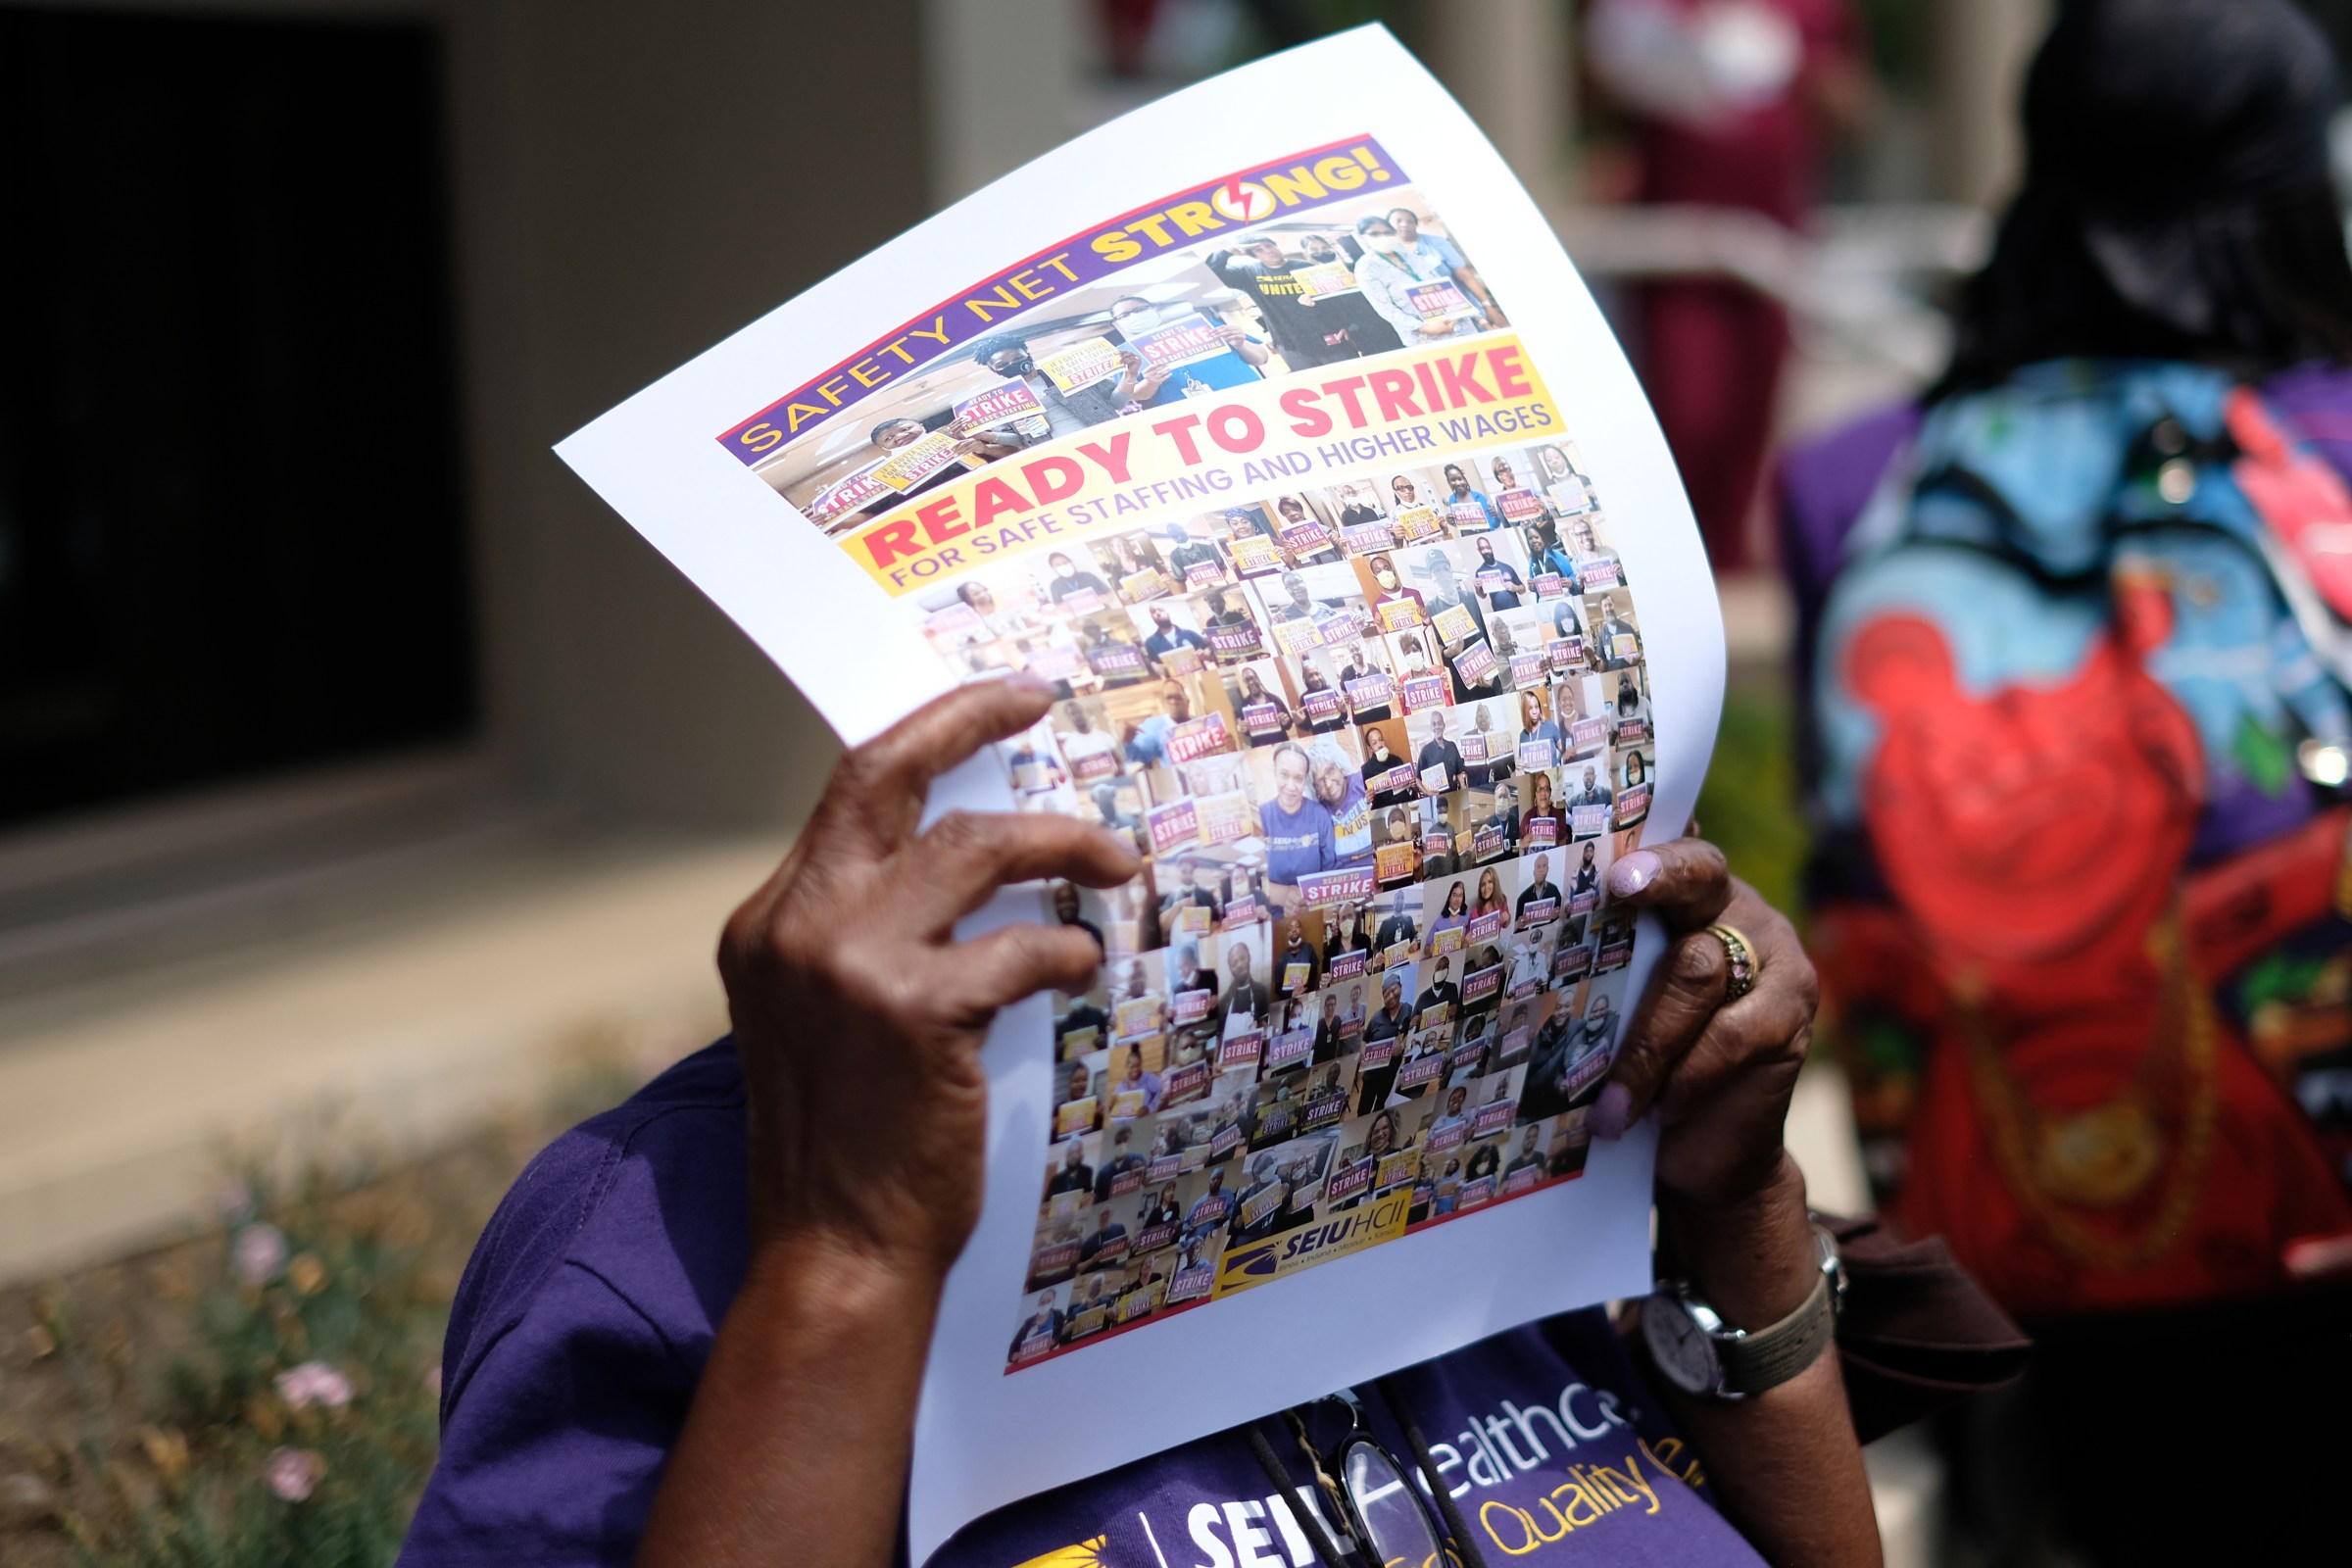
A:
(2306, 537)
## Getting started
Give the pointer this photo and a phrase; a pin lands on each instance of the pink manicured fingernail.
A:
(1633, 872)
(1606, 1120)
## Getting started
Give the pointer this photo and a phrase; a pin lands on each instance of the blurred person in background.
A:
(1729, 100)
(2078, 658)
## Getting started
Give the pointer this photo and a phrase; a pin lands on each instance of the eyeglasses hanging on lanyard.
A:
(1370, 1490)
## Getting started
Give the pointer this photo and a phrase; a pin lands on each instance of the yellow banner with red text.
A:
(1407, 407)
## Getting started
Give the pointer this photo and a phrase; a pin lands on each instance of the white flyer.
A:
(1261, 508)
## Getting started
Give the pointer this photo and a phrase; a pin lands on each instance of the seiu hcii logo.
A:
(1283, 1256)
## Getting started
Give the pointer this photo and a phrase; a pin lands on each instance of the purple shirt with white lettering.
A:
(588, 1309)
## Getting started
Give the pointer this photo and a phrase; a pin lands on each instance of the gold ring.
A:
(1739, 960)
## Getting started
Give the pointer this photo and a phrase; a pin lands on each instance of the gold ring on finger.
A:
(1741, 964)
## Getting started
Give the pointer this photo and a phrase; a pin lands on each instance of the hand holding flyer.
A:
(1276, 590)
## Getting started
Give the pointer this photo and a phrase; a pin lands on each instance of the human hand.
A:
(1234, 334)
(1441, 327)
(860, 1017)
(1720, 1074)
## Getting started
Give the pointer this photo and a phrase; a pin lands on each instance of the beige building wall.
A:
(635, 181)
(1981, 48)
(1511, 65)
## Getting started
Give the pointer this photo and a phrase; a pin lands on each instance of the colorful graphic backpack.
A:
(2080, 725)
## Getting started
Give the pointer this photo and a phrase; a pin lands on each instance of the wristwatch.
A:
(1702, 1354)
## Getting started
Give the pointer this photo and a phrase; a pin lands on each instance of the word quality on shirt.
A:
(1379, 741)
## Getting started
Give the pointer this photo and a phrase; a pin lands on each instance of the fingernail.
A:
(1031, 683)
(1633, 872)
(1606, 1120)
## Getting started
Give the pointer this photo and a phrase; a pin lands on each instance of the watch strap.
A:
(1766, 1358)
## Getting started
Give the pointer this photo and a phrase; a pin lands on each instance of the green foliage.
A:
(1749, 805)
(1337, 16)
(142, 1398)
(1902, 42)
(352, 1294)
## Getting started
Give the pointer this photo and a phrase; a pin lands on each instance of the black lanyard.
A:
(1334, 1486)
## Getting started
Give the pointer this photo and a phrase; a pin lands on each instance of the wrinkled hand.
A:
(1719, 1075)
(860, 1017)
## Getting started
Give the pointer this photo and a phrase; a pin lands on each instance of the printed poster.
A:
(1081, 363)
(1187, 340)
(802, 472)
(908, 465)
(1012, 403)
(1325, 280)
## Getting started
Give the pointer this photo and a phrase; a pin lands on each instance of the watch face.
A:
(1681, 1350)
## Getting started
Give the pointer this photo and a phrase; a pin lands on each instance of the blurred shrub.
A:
(295, 1420)
(1750, 805)
(265, 1393)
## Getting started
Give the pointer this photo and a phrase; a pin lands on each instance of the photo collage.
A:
(1378, 732)
(1379, 742)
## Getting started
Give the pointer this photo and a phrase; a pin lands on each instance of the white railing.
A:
(1860, 275)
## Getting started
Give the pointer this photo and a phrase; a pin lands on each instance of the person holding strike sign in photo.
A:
(1137, 318)
(1411, 293)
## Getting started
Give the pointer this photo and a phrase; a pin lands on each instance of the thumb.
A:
(1687, 881)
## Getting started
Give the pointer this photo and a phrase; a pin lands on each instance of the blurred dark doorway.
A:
(231, 536)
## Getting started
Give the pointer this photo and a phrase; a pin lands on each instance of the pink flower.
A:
(233, 1200)
(258, 1255)
(292, 1472)
(314, 1383)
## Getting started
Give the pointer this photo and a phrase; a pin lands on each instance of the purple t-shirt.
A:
(588, 1309)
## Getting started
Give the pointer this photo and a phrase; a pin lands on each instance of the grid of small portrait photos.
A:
(1378, 743)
